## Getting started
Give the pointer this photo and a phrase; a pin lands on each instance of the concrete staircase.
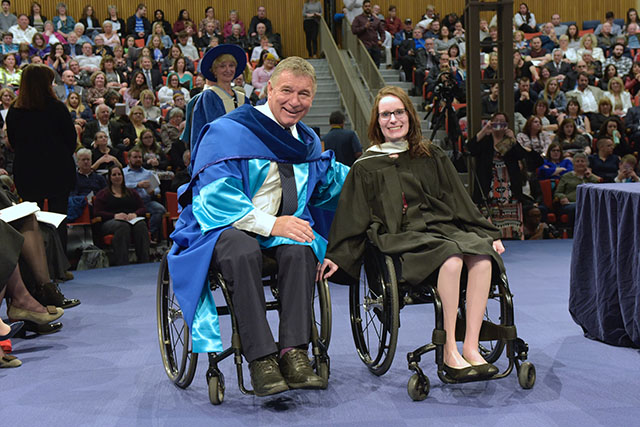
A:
(327, 98)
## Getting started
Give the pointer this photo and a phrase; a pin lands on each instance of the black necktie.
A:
(289, 203)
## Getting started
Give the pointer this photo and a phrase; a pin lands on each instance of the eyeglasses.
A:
(399, 113)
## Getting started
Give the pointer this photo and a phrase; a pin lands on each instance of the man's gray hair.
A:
(82, 152)
(581, 156)
(295, 65)
(173, 112)
(102, 107)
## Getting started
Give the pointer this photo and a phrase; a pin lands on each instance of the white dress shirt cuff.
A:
(257, 222)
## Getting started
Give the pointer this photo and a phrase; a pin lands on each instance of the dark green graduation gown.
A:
(413, 207)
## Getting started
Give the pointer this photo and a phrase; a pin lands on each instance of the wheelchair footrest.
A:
(491, 331)
(488, 332)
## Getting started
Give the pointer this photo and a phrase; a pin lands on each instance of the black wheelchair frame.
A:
(375, 304)
(175, 340)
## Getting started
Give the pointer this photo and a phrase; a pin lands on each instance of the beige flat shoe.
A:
(8, 361)
(53, 313)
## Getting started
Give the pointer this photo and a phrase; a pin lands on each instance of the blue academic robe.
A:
(234, 154)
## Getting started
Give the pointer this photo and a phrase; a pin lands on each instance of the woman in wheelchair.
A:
(404, 196)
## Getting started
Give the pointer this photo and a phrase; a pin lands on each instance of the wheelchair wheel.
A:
(322, 317)
(527, 375)
(499, 312)
(173, 334)
(491, 350)
(374, 309)
(322, 312)
(216, 389)
(418, 388)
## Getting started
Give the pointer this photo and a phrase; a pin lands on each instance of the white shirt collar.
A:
(266, 110)
(390, 147)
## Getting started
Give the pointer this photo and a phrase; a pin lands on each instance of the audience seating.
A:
(591, 24)
(547, 195)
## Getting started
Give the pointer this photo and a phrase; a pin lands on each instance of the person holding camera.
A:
(498, 173)
(370, 31)
(442, 83)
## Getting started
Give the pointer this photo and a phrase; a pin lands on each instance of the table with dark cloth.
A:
(605, 263)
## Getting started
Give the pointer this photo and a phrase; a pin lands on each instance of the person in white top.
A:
(352, 8)
(22, 31)
(524, 20)
(88, 61)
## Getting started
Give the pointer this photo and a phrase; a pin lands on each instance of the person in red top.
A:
(228, 26)
(393, 23)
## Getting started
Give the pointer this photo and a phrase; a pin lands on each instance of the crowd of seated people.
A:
(126, 83)
(576, 90)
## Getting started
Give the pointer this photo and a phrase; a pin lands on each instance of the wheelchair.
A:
(374, 305)
(180, 361)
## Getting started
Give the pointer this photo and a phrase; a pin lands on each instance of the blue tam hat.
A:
(207, 60)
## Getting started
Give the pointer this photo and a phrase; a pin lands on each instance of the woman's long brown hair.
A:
(35, 87)
(418, 146)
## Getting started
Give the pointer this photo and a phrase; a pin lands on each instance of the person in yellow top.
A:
(10, 74)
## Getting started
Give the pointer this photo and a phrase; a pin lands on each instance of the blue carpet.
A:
(104, 367)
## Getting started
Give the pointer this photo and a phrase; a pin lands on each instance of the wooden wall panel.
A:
(286, 15)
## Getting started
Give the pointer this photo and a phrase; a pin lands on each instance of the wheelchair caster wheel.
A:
(216, 390)
(418, 388)
(527, 375)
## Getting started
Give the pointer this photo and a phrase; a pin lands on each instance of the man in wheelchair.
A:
(404, 196)
(259, 183)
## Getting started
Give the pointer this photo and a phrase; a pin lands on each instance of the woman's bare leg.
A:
(449, 291)
(478, 285)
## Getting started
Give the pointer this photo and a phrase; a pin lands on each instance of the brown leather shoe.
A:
(297, 371)
(266, 378)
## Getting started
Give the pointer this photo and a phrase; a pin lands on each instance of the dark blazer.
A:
(44, 19)
(156, 78)
(632, 120)
(483, 152)
(77, 49)
(254, 23)
(95, 21)
(131, 26)
(43, 165)
(89, 134)
(564, 68)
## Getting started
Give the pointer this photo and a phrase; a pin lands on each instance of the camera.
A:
(444, 88)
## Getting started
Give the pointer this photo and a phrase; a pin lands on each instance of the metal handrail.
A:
(370, 72)
(356, 99)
